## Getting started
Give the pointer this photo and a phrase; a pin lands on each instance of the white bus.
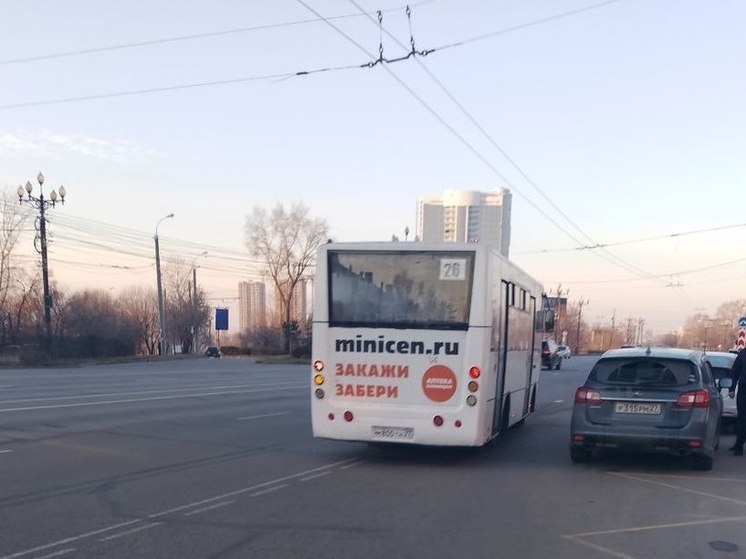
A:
(422, 343)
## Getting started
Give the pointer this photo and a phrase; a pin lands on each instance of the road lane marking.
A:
(129, 532)
(670, 525)
(181, 508)
(211, 507)
(700, 478)
(57, 553)
(5, 451)
(600, 548)
(153, 399)
(353, 465)
(679, 488)
(71, 539)
(110, 394)
(558, 401)
(315, 476)
(270, 490)
(248, 489)
(263, 415)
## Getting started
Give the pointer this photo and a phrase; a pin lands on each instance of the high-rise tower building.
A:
(467, 216)
(252, 300)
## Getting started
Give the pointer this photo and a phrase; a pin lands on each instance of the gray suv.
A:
(658, 399)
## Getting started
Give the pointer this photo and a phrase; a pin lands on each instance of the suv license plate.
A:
(637, 407)
(393, 433)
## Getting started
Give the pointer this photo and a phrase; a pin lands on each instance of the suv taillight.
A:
(693, 399)
(588, 396)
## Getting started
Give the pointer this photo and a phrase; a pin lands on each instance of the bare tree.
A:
(286, 240)
(93, 325)
(187, 311)
(19, 310)
(13, 217)
(140, 306)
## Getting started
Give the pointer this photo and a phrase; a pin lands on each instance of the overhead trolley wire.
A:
(281, 76)
(607, 256)
(182, 38)
(638, 240)
(526, 25)
(440, 119)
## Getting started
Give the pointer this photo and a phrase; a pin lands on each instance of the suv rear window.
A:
(646, 371)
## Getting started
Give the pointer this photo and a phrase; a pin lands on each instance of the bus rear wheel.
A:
(505, 418)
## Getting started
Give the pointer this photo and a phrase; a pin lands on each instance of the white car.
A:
(564, 351)
(721, 362)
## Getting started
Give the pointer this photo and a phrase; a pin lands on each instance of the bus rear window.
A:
(404, 289)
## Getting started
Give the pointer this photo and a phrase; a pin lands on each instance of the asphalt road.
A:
(214, 458)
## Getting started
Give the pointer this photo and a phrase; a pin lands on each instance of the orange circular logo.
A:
(439, 383)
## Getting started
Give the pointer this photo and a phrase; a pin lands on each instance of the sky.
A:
(617, 123)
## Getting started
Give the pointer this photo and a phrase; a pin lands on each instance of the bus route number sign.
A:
(453, 269)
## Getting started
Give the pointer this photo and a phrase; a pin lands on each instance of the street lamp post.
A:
(161, 313)
(41, 204)
(194, 300)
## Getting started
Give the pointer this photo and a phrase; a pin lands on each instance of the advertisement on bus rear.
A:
(396, 366)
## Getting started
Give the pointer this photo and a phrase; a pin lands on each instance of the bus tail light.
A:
(471, 400)
(319, 393)
(318, 365)
(331, 417)
(437, 421)
(473, 386)
(318, 380)
(693, 399)
(475, 372)
(457, 423)
(348, 416)
(589, 396)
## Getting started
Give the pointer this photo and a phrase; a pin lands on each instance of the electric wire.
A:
(446, 125)
(283, 75)
(178, 87)
(182, 38)
(636, 241)
(526, 25)
(659, 276)
(607, 256)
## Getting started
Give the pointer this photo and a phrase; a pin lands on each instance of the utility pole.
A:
(41, 204)
(161, 311)
(580, 318)
(611, 335)
(195, 327)
(558, 315)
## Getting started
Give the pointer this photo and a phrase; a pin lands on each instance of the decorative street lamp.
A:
(41, 204)
(161, 313)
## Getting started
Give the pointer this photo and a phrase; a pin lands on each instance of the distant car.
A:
(656, 399)
(721, 362)
(550, 357)
(564, 351)
(212, 351)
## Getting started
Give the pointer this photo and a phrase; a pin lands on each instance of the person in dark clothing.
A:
(738, 374)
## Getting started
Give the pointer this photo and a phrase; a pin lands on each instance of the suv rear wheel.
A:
(580, 455)
(702, 462)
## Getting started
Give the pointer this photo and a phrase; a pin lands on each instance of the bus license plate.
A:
(637, 407)
(393, 433)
